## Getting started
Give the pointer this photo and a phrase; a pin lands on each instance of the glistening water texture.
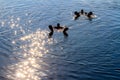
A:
(91, 52)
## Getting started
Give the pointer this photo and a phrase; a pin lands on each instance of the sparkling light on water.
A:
(29, 57)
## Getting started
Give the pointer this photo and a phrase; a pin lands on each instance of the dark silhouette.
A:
(89, 15)
(64, 32)
(82, 11)
(86, 13)
(76, 15)
(51, 29)
(58, 27)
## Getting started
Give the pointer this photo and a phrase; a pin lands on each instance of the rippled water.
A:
(91, 52)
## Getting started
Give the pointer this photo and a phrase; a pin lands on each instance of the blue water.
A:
(91, 52)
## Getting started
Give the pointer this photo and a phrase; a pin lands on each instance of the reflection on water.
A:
(30, 57)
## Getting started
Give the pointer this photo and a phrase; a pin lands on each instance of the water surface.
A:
(91, 52)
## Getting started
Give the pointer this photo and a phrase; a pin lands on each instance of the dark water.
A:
(91, 52)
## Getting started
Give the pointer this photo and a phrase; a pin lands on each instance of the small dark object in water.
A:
(64, 32)
(82, 11)
(76, 15)
(86, 13)
(51, 29)
(89, 15)
(58, 26)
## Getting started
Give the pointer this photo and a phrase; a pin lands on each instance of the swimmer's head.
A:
(90, 13)
(76, 13)
(86, 13)
(50, 26)
(82, 11)
(58, 24)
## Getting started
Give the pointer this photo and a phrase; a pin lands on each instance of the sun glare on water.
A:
(29, 55)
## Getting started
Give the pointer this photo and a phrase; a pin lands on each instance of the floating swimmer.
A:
(82, 12)
(86, 13)
(76, 15)
(58, 27)
(90, 15)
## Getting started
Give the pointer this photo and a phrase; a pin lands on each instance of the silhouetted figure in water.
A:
(64, 31)
(86, 13)
(82, 11)
(51, 29)
(76, 15)
(58, 27)
(90, 15)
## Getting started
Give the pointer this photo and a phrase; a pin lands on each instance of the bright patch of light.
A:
(30, 57)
